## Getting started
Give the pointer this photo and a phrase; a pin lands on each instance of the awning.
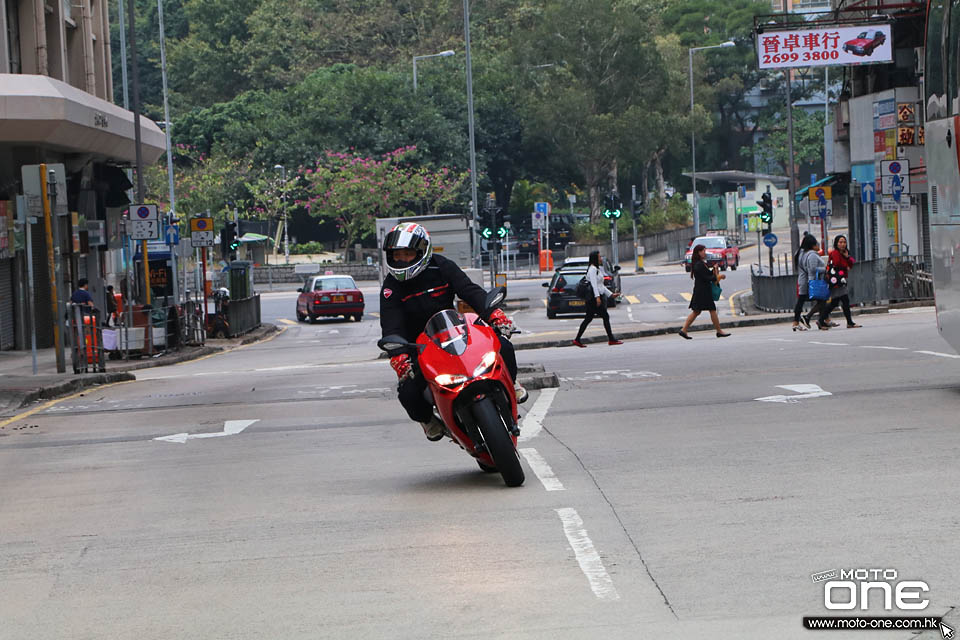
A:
(254, 237)
(802, 193)
(44, 111)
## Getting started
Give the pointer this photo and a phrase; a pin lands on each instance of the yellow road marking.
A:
(659, 297)
(686, 296)
(375, 314)
(544, 303)
(286, 321)
(733, 310)
(47, 405)
(633, 299)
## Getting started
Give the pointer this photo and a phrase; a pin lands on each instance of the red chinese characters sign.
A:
(821, 47)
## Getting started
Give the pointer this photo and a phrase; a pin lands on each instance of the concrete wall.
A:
(286, 273)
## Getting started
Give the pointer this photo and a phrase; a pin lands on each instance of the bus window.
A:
(934, 71)
(952, 58)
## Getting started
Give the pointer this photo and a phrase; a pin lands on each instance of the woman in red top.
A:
(839, 272)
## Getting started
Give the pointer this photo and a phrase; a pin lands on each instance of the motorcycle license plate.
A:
(577, 303)
(338, 298)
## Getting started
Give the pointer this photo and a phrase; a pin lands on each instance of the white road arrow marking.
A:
(230, 428)
(804, 391)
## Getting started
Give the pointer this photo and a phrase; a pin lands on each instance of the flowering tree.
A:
(355, 190)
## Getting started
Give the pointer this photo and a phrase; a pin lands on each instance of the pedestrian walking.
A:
(808, 264)
(702, 300)
(597, 303)
(838, 273)
(111, 306)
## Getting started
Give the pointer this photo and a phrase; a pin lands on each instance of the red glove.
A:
(402, 365)
(500, 322)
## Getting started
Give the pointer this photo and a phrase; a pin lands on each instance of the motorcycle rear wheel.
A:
(499, 445)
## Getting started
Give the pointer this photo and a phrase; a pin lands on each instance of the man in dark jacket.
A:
(421, 284)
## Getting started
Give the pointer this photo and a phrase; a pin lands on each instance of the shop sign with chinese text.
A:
(821, 47)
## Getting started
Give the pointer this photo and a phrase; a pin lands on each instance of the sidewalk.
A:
(19, 387)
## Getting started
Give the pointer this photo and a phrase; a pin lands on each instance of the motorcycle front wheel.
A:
(498, 441)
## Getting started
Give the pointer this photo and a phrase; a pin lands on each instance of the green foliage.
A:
(307, 248)
(807, 140)
(675, 213)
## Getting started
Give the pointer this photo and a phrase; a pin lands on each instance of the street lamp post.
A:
(442, 54)
(286, 237)
(693, 136)
(473, 145)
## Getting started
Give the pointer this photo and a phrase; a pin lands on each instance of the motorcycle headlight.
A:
(486, 363)
(446, 380)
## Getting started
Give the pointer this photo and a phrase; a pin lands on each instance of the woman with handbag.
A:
(838, 273)
(706, 290)
(596, 303)
(808, 264)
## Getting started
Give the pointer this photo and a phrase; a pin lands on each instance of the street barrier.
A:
(86, 339)
(897, 279)
(243, 315)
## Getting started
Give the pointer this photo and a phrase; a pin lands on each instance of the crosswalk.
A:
(657, 298)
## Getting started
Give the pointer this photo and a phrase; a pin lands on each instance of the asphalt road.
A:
(674, 489)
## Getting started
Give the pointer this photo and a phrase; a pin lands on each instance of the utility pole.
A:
(48, 186)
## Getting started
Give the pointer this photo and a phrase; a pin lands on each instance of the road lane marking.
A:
(659, 297)
(542, 469)
(587, 557)
(803, 391)
(533, 421)
(831, 344)
(287, 321)
(230, 428)
(870, 346)
(686, 296)
(633, 299)
(47, 405)
(938, 354)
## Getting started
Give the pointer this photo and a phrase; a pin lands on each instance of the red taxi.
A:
(329, 295)
(721, 252)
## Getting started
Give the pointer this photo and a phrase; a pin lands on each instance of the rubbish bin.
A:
(546, 260)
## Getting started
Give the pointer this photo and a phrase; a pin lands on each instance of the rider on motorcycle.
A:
(419, 285)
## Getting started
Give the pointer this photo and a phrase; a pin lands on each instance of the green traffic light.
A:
(487, 233)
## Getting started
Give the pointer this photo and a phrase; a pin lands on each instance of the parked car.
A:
(865, 44)
(611, 274)
(329, 295)
(721, 252)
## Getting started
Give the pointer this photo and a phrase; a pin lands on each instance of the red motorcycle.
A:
(469, 386)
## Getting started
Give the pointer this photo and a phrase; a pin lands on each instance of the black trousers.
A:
(410, 392)
(594, 310)
(844, 302)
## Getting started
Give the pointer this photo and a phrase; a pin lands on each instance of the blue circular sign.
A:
(143, 212)
(201, 224)
(894, 167)
(770, 240)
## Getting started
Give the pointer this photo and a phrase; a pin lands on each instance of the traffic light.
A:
(496, 225)
(611, 206)
(229, 242)
(766, 208)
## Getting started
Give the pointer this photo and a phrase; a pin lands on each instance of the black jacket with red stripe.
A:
(405, 307)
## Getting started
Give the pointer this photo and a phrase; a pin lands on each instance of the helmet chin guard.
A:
(411, 236)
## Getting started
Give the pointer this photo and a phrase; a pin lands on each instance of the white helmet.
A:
(407, 235)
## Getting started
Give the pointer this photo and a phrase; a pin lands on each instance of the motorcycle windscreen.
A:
(448, 330)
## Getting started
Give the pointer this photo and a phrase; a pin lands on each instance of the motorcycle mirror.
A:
(496, 297)
(545, 284)
(616, 268)
(300, 290)
(393, 344)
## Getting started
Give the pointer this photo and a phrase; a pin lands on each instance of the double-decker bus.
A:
(942, 147)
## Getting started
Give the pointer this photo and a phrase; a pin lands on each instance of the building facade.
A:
(56, 108)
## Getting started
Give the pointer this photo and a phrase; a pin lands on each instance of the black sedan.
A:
(562, 291)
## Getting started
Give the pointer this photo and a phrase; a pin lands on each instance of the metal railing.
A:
(870, 282)
(243, 315)
(86, 339)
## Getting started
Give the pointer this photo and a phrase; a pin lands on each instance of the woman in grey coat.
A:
(807, 263)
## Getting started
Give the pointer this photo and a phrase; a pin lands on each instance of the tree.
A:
(590, 103)
(807, 141)
(355, 190)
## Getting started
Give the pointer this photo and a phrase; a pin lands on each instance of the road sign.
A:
(201, 232)
(538, 220)
(887, 185)
(171, 234)
(145, 229)
(770, 240)
(542, 207)
(868, 193)
(815, 193)
(143, 212)
(896, 187)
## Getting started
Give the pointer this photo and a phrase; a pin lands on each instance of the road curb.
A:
(72, 385)
(660, 331)
(539, 381)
